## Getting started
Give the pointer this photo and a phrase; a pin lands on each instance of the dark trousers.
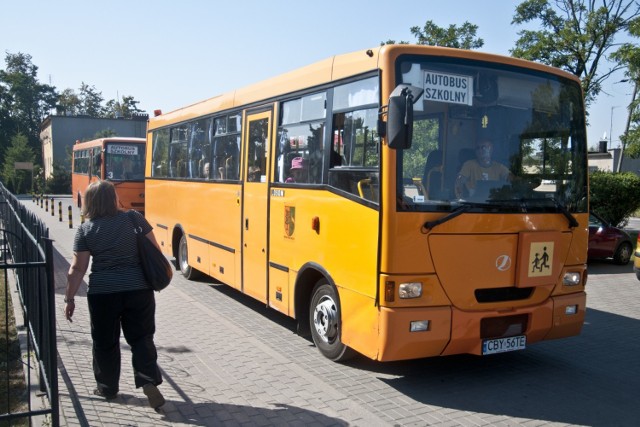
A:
(135, 312)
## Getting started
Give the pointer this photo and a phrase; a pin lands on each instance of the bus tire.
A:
(325, 323)
(187, 271)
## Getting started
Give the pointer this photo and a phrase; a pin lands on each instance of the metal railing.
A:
(26, 257)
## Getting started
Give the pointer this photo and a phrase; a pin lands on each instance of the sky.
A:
(171, 54)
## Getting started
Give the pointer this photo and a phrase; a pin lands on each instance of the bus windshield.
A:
(124, 162)
(492, 136)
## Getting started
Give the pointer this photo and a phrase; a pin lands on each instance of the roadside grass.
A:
(12, 381)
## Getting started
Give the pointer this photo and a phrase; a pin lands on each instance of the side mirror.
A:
(97, 160)
(400, 116)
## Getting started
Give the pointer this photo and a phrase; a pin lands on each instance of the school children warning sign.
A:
(450, 88)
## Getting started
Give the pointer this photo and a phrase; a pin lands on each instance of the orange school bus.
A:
(117, 159)
(356, 196)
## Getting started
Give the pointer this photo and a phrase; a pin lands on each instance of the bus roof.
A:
(331, 69)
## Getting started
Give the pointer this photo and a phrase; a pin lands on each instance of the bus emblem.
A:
(289, 221)
(503, 262)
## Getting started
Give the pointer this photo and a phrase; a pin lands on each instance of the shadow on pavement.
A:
(602, 370)
(608, 267)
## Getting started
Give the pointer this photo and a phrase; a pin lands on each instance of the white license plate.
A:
(501, 345)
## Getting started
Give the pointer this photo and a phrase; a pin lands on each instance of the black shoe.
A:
(109, 396)
(156, 399)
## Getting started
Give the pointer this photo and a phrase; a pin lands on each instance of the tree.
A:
(24, 101)
(90, 101)
(463, 37)
(614, 196)
(59, 182)
(126, 107)
(629, 56)
(68, 103)
(18, 180)
(576, 36)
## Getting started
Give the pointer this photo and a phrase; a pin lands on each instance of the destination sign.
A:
(127, 150)
(450, 88)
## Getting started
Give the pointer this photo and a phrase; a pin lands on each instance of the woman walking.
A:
(118, 294)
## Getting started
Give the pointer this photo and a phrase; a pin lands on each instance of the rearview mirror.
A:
(400, 116)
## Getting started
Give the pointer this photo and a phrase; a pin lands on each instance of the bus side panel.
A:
(79, 183)
(223, 265)
(345, 246)
(160, 233)
(279, 291)
(208, 213)
(131, 195)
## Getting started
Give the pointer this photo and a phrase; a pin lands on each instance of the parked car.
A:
(636, 261)
(607, 241)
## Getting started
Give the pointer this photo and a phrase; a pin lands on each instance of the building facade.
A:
(59, 133)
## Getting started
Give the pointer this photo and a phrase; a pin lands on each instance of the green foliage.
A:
(463, 37)
(614, 196)
(425, 140)
(24, 102)
(60, 182)
(90, 101)
(126, 107)
(628, 55)
(17, 180)
(575, 35)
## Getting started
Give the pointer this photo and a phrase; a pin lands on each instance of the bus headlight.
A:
(571, 278)
(410, 290)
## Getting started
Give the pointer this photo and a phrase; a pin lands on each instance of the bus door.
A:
(257, 136)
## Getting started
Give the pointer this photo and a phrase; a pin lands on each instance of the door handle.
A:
(246, 224)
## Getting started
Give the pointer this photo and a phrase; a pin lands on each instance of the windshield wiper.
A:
(454, 213)
(573, 222)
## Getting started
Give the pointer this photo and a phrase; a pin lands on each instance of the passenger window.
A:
(160, 164)
(225, 162)
(178, 152)
(301, 134)
(355, 153)
(199, 148)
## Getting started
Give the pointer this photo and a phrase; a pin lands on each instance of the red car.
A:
(607, 241)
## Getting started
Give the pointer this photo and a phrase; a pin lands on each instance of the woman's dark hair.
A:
(100, 200)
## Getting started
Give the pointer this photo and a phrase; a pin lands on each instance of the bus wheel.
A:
(183, 260)
(324, 314)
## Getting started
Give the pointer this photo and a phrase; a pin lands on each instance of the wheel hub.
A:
(325, 319)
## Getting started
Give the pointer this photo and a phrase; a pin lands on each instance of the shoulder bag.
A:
(156, 267)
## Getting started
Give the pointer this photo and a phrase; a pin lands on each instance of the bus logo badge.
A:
(503, 262)
(289, 221)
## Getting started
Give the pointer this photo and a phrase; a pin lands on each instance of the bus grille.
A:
(506, 326)
(502, 294)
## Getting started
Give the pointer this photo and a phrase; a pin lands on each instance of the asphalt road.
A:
(224, 353)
